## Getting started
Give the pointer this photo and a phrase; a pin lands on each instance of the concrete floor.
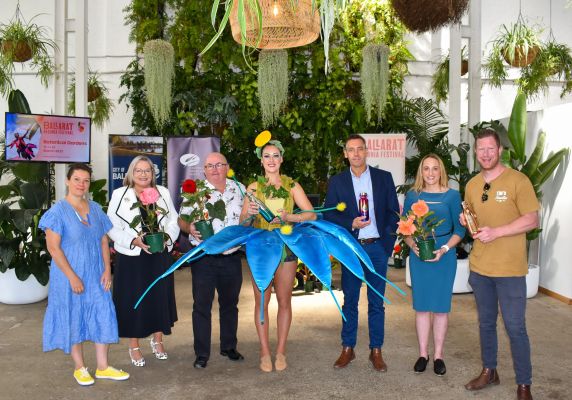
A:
(314, 344)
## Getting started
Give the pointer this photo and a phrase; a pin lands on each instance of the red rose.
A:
(397, 248)
(189, 186)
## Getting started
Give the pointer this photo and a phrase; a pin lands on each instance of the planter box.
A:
(15, 291)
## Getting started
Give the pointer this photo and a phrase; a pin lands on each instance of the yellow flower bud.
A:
(286, 229)
(230, 173)
(341, 206)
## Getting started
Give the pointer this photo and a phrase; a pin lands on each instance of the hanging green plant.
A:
(272, 84)
(374, 78)
(517, 45)
(440, 80)
(553, 61)
(24, 41)
(99, 106)
(159, 73)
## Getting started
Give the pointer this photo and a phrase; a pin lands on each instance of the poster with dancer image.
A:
(53, 138)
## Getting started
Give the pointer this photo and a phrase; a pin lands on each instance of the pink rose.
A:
(149, 196)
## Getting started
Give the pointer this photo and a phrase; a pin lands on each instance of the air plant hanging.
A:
(375, 79)
(272, 84)
(159, 73)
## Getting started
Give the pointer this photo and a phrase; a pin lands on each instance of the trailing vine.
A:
(272, 84)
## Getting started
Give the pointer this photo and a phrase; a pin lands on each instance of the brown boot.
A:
(377, 360)
(488, 376)
(523, 392)
(345, 358)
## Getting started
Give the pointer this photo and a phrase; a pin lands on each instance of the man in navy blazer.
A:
(376, 235)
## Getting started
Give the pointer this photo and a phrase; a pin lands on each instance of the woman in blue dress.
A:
(432, 280)
(80, 307)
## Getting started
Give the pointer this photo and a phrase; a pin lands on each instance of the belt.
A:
(368, 240)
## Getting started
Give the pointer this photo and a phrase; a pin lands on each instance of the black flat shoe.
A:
(232, 354)
(200, 362)
(439, 367)
(420, 365)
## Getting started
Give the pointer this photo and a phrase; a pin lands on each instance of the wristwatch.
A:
(446, 248)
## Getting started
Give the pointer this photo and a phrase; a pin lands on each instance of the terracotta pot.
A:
(21, 50)
(93, 93)
(521, 59)
(464, 67)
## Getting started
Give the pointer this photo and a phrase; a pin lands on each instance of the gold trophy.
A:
(470, 218)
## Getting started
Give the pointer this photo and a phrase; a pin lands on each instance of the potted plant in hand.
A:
(419, 223)
(400, 253)
(155, 239)
(196, 195)
(23, 41)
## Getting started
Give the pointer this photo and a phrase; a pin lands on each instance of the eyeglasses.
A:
(142, 171)
(485, 195)
(217, 166)
(269, 156)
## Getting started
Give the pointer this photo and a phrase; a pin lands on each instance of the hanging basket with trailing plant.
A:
(374, 79)
(516, 45)
(272, 84)
(159, 73)
(440, 79)
(429, 15)
(23, 41)
(99, 107)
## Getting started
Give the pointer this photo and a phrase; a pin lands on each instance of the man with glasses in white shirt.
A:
(222, 272)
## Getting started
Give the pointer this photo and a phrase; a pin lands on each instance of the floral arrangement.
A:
(418, 222)
(196, 194)
(148, 200)
(400, 250)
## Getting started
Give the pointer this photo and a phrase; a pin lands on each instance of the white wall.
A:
(109, 53)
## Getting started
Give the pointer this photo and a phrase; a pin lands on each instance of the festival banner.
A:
(53, 138)
(387, 151)
(185, 160)
(122, 150)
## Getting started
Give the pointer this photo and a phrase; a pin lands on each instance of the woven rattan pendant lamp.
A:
(283, 25)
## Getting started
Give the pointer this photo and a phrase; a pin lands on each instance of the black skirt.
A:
(158, 310)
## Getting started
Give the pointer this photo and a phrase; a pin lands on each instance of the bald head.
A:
(216, 168)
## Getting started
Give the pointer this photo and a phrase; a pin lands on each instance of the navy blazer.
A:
(340, 188)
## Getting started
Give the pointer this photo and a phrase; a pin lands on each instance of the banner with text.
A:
(387, 151)
(185, 160)
(124, 148)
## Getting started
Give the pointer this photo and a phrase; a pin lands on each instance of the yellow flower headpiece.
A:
(263, 139)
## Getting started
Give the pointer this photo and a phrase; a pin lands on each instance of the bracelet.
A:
(446, 248)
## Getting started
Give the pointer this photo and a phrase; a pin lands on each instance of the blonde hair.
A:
(443, 177)
(128, 180)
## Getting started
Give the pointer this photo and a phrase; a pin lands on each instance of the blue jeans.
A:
(375, 311)
(510, 293)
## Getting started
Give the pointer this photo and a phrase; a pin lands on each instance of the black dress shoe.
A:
(200, 362)
(232, 354)
(439, 367)
(420, 365)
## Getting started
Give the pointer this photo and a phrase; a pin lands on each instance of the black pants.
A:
(223, 273)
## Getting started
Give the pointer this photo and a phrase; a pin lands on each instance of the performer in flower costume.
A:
(272, 253)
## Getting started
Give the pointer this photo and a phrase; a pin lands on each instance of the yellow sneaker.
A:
(111, 373)
(83, 377)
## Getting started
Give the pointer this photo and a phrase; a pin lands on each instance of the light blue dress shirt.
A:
(362, 184)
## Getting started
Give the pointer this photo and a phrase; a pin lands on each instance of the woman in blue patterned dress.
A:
(432, 280)
(80, 307)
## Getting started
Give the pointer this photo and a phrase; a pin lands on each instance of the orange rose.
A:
(420, 208)
(406, 228)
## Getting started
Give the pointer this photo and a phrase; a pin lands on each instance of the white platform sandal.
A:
(137, 363)
(158, 354)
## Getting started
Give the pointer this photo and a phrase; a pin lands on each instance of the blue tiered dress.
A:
(74, 318)
(432, 282)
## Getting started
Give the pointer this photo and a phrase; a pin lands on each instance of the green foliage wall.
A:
(216, 94)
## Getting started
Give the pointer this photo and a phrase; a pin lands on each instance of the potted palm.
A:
(516, 45)
(533, 165)
(21, 42)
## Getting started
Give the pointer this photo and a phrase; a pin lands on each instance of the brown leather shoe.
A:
(523, 392)
(345, 358)
(377, 360)
(488, 376)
